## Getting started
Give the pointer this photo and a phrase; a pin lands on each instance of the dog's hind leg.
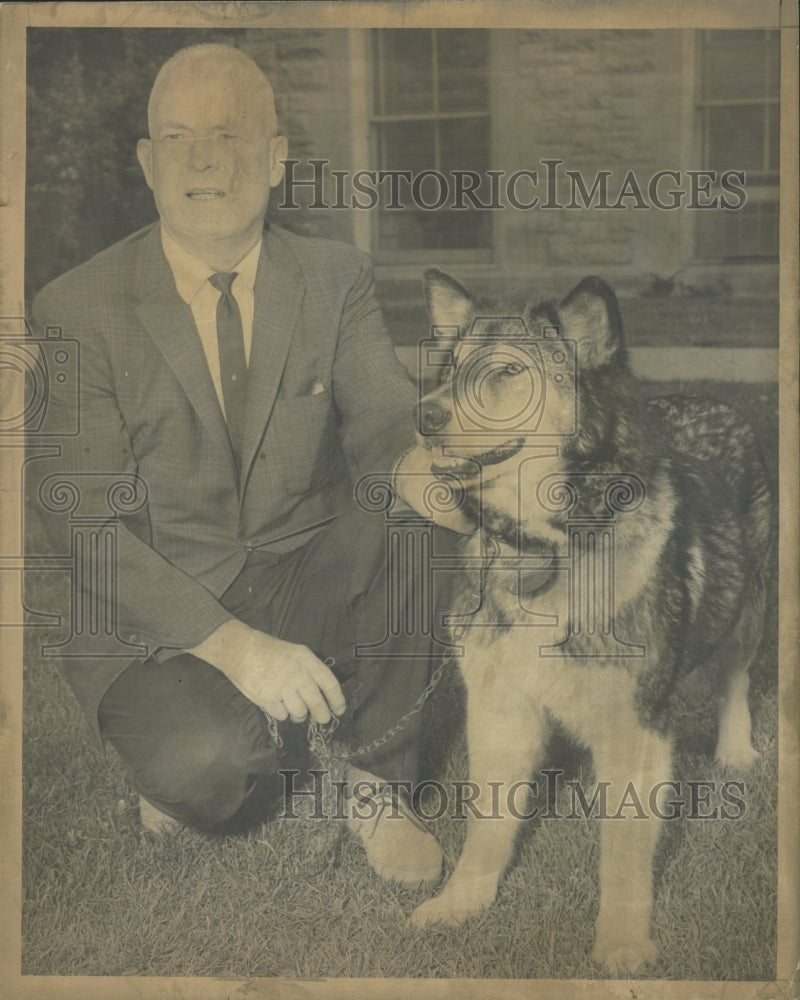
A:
(734, 742)
(506, 741)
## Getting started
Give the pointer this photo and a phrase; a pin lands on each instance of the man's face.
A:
(211, 158)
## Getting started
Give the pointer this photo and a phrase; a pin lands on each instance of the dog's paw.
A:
(440, 910)
(740, 756)
(627, 956)
(456, 904)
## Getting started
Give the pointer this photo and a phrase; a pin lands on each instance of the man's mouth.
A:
(205, 194)
(470, 465)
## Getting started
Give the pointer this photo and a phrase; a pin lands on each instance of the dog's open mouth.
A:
(470, 465)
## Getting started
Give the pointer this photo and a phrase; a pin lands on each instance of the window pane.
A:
(462, 61)
(406, 85)
(749, 232)
(406, 145)
(736, 138)
(773, 153)
(410, 146)
(773, 64)
(464, 145)
(741, 66)
(734, 65)
(769, 228)
(410, 84)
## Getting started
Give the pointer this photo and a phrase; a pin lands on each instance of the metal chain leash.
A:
(320, 734)
(272, 728)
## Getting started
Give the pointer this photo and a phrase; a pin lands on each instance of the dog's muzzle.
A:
(432, 416)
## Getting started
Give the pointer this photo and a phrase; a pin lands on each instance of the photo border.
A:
(14, 21)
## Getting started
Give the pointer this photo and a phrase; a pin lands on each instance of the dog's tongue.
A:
(459, 465)
(445, 462)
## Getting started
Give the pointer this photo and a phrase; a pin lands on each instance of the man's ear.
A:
(448, 303)
(278, 151)
(144, 154)
(590, 316)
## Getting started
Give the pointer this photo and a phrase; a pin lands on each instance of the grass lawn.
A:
(296, 898)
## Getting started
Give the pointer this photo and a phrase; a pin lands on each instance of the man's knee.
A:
(202, 782)
(196, 782)
(192, 743)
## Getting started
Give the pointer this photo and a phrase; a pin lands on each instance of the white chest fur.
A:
(585, 694)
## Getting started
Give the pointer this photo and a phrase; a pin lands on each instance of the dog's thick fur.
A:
(689, 556)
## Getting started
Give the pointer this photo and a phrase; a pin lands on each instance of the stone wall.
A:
(599, 101)
(310, 74)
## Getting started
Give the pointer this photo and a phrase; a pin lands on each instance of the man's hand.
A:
(280, 677)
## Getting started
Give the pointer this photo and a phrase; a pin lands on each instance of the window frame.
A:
(452, 255)
(766, 191)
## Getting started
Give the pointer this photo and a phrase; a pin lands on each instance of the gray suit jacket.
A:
(148, 406)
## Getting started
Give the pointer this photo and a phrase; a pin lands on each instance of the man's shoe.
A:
(398, 845)
(155, 821)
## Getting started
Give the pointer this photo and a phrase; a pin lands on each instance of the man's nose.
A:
(431, 416)
(204, 154)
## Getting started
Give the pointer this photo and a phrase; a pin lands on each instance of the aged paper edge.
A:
(14, 19)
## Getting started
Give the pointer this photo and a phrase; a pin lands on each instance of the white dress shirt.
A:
(191, 279)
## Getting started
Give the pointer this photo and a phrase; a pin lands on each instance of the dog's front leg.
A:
(506, 740)
(634, 765)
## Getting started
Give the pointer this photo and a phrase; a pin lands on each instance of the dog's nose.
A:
(431, 416)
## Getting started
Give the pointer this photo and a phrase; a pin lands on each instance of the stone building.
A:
(507, 157)
(653, 154)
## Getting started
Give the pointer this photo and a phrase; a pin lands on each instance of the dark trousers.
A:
(200, 751)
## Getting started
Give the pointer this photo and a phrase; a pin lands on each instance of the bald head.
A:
(213, 153)
(233, 72)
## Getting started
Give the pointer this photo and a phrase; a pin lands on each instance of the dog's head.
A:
(525, 392)
(514, 374)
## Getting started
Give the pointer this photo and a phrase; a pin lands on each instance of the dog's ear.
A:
(590, 316)
(447, 302)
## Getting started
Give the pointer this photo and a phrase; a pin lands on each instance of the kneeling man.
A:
(243, 374)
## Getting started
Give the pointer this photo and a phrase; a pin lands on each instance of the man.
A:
(240, 373)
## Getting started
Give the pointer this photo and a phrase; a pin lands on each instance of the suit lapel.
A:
(169, 321)
(278, 295)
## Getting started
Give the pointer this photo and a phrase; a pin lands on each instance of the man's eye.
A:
(174, 135)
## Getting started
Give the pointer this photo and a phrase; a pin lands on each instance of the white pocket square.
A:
(317, 388)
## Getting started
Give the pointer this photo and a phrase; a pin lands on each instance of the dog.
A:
(621, 545)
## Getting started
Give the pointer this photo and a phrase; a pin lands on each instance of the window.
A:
(430, 112)
(739, 115)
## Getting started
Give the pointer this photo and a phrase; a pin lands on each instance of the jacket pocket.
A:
(303, 437)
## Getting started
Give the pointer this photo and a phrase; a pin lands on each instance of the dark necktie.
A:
(232, 363)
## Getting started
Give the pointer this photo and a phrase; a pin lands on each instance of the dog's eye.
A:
(513, 368)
